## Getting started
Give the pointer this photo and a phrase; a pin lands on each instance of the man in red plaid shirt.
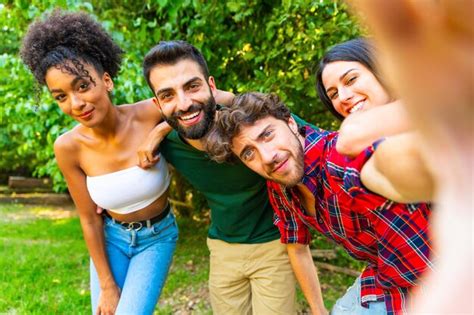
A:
(311, 185)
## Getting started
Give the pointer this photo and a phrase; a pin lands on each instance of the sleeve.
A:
(292, 229)
(351, 181)
(353, 184)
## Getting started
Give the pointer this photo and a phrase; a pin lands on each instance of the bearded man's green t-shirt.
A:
(240, 209)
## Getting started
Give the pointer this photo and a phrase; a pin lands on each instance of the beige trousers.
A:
(249, 279)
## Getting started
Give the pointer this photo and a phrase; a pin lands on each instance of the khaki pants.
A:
(251, 279)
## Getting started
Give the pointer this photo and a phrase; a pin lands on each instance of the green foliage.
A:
(250, 45)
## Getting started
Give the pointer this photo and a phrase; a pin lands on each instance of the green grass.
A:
(44, 266)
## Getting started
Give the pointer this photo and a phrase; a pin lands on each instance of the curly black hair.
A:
(66, 40)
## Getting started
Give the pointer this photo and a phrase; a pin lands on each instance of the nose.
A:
(184, 101)
(77, 103)
(267, 153)
(345, 94)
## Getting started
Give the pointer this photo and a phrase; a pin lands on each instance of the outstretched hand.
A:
(427, 50)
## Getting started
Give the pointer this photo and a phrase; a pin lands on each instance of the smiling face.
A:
(352, 87)
(85, 101)
(273, 149)
(185, 97)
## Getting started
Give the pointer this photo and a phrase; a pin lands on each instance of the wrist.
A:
(161, 130)
(107, 283)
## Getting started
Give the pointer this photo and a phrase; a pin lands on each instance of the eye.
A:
(267, 134)
(83, 86)
(60, 97)
(248, 155)
(165, 96)
(332, 95)
(194, 86)
(351, 80)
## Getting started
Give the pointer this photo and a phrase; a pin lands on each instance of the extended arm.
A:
(307, 276)
(91, 223)
(361, 129)
(150, 110)
(397, 170)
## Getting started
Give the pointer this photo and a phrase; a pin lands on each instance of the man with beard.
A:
(311, 185)
(250, 271)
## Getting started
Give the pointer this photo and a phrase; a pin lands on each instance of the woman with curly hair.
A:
(132, 244)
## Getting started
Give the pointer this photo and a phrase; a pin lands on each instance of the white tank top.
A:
(130, 189)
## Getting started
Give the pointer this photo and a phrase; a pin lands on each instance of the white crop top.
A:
(131, 189)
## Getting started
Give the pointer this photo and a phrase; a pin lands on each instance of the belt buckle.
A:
(131, 226)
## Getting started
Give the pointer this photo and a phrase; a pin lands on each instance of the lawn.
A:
(44, 266)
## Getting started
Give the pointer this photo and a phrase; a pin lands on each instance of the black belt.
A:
(137, 225)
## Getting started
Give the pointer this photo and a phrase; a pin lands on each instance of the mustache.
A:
(276, 161)
(192, 108)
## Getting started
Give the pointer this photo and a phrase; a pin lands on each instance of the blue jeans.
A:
(139, 261)
(349, 304)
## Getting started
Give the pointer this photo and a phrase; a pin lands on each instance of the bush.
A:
(250, 45)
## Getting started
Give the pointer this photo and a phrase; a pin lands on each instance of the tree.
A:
(256, 45)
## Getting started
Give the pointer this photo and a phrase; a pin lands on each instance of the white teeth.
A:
(190, 116)
(356, 108)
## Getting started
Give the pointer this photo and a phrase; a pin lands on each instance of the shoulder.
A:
(66, 147)
(143, 110)
(67, 141)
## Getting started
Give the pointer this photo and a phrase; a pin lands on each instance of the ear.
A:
(212, 85)
(108, 82)
(155, 101)
(293, 125)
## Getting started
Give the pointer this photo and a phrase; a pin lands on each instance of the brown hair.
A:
(245, 110)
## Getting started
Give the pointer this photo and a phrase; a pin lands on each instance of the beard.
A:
(200, 129)
(297, 171)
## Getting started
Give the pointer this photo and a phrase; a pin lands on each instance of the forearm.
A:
(160, 132)
(307, 276)
(146, 151)
(94, 237)
(398, 172)
(361, 129)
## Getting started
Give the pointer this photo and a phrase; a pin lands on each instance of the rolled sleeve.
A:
(292, 229)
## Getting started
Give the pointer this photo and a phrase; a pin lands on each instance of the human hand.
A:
(428, 45)
(146, 151)
(224, 98)
(108, 300)
(427, 50)
(320, 311)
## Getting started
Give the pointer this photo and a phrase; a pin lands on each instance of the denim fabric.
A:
(140, 261)
(350, 303)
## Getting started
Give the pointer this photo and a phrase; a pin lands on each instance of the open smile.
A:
(358, 106)
(191, 118)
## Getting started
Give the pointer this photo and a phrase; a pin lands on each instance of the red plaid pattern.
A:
(391, 237)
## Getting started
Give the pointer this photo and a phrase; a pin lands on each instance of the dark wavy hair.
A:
(245, 110)
(67, 40)
(170, 53)
(360, 50)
